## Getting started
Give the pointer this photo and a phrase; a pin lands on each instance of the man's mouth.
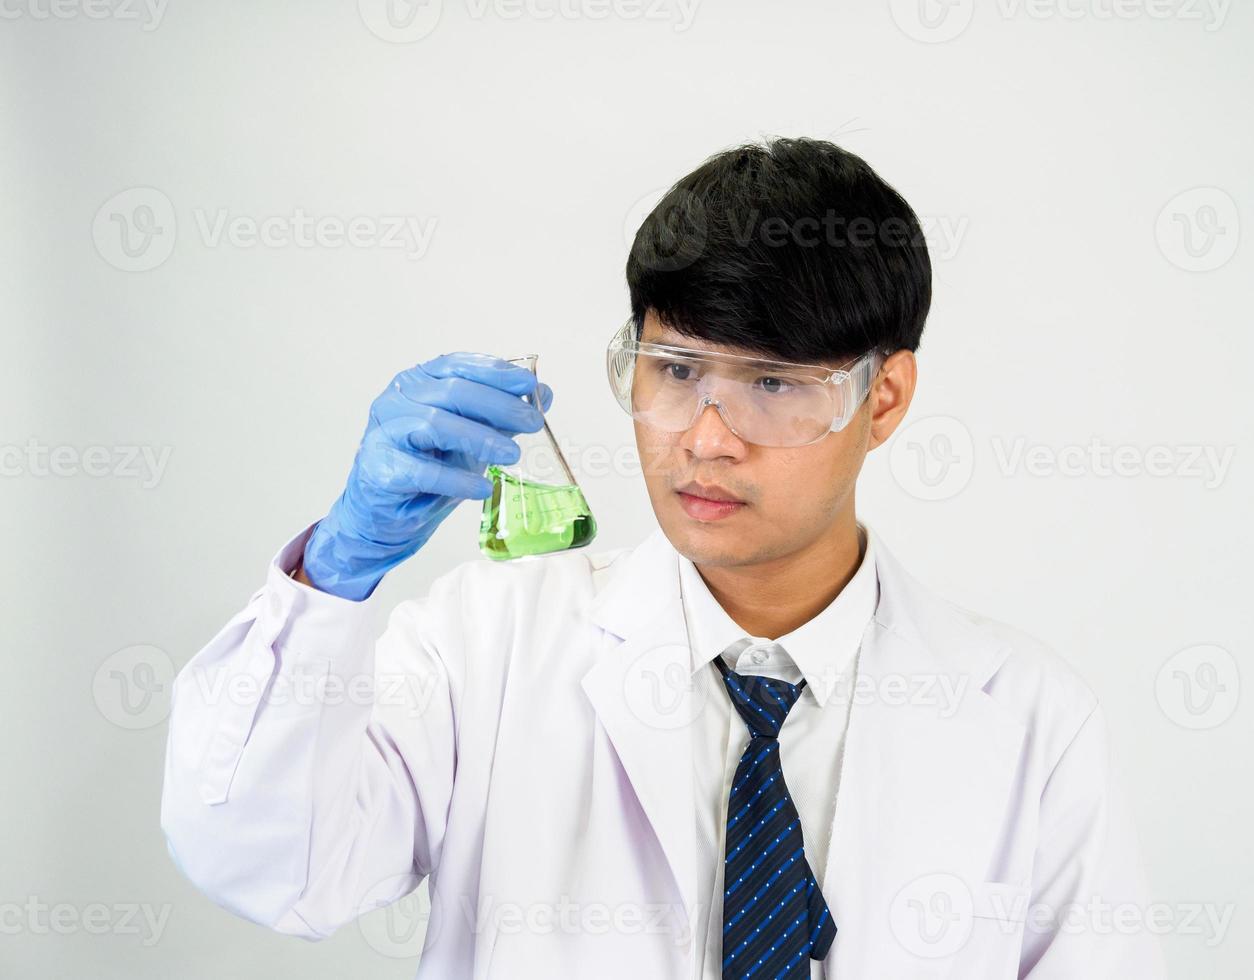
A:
(708, 503)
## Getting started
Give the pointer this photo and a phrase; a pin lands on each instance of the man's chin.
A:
(705, 542)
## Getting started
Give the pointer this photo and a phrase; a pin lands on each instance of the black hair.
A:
(793, 249)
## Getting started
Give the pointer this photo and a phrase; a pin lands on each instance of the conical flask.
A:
(536, 505)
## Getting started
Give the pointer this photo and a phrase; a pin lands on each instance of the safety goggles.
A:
(769, 403)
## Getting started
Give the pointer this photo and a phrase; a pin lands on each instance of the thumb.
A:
(546, 396)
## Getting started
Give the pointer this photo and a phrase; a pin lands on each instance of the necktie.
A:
(774, 915)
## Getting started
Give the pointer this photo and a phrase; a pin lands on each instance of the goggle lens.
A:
(764, 402)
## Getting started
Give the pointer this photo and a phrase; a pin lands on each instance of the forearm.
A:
(288, 787)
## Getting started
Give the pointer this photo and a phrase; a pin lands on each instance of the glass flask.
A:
(536, 505)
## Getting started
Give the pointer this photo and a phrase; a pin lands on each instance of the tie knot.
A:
(762, 702)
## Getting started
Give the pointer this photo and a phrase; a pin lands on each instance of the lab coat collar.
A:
(642, 590)
(955, 761)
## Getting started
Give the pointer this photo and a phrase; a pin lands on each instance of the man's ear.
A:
(890, 395)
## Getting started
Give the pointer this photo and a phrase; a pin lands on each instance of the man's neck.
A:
(774, 597)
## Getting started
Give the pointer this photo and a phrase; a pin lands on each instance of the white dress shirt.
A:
(822, 651)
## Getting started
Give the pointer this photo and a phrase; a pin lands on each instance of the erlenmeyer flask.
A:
(536, 506)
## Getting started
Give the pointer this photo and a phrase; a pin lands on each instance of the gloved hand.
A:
(430, 436)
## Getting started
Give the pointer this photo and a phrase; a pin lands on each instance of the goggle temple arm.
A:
(861, 375)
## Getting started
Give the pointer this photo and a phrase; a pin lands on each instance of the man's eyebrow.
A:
(672, 337)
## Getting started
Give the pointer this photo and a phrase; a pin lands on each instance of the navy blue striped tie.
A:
(774, 915)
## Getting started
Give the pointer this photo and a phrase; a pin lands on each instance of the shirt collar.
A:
(821, 647)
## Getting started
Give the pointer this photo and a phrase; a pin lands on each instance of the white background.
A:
(1086, 295)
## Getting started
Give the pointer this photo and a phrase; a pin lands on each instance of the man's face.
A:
(790, 496)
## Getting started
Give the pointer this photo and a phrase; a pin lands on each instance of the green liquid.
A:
(524, 518)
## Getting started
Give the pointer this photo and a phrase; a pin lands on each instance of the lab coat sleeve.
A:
(1089, 914)
(308, 769)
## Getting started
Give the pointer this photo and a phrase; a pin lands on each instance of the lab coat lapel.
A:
(928, 772)
(644, 695)
(929, 763)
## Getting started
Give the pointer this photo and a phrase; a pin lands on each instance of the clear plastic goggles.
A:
(769, 403)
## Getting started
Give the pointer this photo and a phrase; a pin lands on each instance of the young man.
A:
(750, 746)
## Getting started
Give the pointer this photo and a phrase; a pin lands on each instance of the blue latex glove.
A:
(430, 437)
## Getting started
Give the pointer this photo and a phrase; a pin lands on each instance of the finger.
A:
(546, 396)
(483, 368)
(469, 399)
(392, 470)
(431, 428)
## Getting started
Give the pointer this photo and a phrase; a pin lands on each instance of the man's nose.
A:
(709, 435)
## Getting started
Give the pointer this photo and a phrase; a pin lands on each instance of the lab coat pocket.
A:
(1001, 901)
(999, 911)
(243, 692)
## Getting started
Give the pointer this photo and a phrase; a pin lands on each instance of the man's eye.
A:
(775, 386)
(677, 372)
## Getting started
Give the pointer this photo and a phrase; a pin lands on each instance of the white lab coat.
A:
(524, 747)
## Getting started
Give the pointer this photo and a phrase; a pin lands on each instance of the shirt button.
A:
(759, 657)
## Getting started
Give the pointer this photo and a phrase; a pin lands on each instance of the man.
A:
(751, 746)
